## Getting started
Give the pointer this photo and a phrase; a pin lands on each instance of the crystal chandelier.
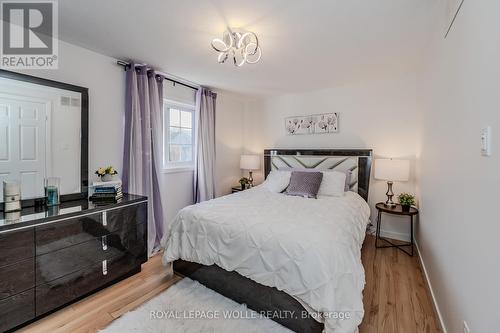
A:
(243, 47)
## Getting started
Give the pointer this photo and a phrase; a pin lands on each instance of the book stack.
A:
(107, 192)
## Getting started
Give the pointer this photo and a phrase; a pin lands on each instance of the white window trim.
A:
(174, 167)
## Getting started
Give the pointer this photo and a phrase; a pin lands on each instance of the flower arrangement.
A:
(406, 200)
(107, 172)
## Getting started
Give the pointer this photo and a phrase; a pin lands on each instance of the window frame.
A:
(168, 166)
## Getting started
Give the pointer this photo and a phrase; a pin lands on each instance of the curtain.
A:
(204, 170)
(142, 148)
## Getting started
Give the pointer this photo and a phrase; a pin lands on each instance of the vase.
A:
(108, 178)
(52, 191)
(405, 208)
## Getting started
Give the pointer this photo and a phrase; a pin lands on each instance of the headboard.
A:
(359, 161)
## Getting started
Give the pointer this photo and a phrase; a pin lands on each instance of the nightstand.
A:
(236, 189)
(395, 210)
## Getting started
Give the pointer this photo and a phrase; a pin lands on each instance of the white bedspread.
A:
(310, 249)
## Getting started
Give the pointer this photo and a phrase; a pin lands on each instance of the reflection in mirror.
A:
(40, 137)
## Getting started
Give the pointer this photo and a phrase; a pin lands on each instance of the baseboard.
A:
(394, 235)
(371, 229)
(429, 285)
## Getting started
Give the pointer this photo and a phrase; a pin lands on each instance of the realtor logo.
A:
(29, 35)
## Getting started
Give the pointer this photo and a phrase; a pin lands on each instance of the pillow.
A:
(348, 174)
(304, 184)
(348, 177)
(277, 181)
(333, 184)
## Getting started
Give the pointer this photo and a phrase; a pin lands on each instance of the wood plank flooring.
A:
(396, 297)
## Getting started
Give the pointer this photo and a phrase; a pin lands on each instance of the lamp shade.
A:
(250, 162)
(392, 170)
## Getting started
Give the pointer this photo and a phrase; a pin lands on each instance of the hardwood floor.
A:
(97, 311)
(396, 297)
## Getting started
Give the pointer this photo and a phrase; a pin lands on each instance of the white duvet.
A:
(308, 248)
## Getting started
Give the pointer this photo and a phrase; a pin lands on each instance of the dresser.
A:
(51, 257)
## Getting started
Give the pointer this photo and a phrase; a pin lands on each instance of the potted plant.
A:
(106, 174)
(406, 200)
(243, 182)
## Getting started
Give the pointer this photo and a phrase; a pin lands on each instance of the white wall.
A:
(229, 130)
(459, 225)
(380, 115)
(177, 187)
(106, 83)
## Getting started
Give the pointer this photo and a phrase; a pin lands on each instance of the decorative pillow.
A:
(277, 181)
(304, 184)
(333, 184)
(348, 177)
(348, 174)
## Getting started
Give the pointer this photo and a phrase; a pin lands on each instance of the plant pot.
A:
(242, 186)
(405, 208)
(108, 178)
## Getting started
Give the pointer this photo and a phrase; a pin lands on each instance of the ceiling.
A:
(306, 45)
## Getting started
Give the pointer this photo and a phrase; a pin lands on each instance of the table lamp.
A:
(392, 170)
(250, 163)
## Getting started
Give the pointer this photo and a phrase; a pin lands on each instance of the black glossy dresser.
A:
(50, 257)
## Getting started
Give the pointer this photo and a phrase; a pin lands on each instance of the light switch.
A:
(486, 141)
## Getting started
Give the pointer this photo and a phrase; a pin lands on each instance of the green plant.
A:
(244, 181)
(406, 199)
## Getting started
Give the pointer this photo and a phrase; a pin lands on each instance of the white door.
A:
(22, 144)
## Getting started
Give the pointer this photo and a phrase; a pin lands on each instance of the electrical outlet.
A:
(466, 327)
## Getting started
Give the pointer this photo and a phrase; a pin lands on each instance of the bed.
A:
(297, 260)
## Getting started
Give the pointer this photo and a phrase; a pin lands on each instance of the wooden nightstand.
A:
(395, 210)
(235, 189)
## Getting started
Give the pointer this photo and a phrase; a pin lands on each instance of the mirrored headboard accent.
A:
(358, 161)
(44, 128)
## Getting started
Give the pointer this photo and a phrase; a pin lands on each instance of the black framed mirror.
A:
(44, 128)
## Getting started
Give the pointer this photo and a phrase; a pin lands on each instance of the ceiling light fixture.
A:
(243, 47)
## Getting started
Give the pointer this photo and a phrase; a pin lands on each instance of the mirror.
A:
(43, 133)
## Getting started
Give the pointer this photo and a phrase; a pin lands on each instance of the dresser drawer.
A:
(70, 259)
(126, 216)
(16, 278)
(16, 246)
(17, 310)
(61, 291)
(57, 235)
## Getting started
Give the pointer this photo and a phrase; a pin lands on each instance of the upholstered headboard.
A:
(359, 161)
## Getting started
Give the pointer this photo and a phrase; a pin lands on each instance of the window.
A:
(178, 135)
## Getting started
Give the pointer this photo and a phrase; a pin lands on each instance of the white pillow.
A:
(277, 181)
(333, 184)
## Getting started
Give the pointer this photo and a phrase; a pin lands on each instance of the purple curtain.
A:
(204, 170)
(142, 153)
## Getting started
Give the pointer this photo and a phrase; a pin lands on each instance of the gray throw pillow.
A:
(304, 184)
(348, 175)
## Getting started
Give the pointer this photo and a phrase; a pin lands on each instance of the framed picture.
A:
(312, 124)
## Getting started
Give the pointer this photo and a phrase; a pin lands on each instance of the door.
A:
(22, 143)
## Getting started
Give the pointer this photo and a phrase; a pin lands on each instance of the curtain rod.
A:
(127, 64)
